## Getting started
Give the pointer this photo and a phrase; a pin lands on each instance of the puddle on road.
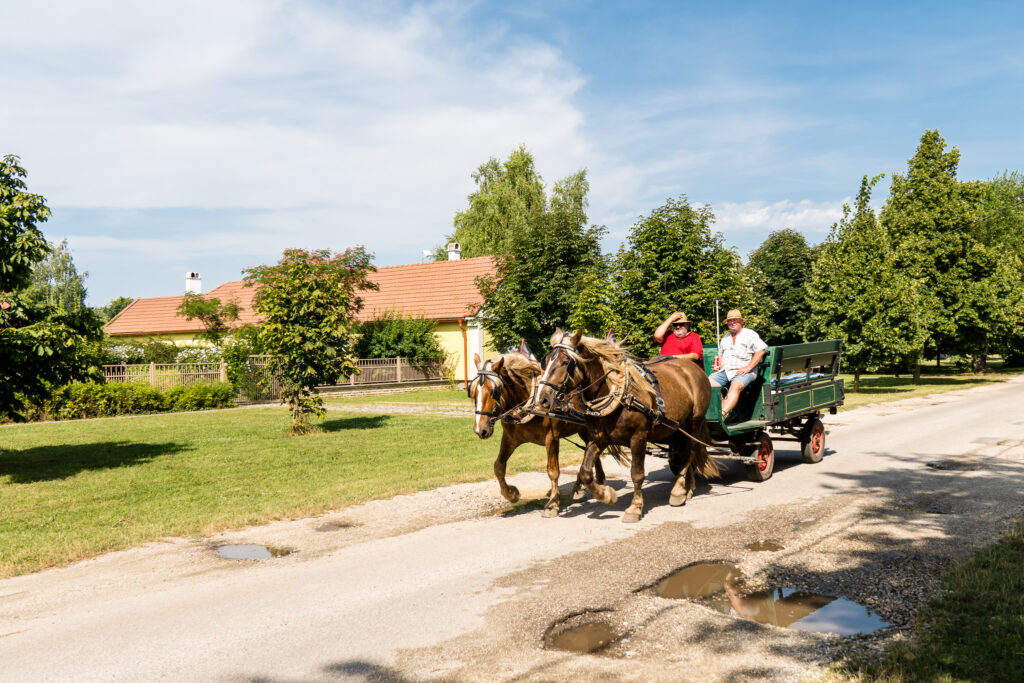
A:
(589, 637)
(250, 552)
(765, 546)
(720, 586)
(954, 465)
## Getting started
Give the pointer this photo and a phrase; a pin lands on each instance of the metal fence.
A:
(258, 383)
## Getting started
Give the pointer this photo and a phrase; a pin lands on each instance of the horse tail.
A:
(621, 457)
(702, 462)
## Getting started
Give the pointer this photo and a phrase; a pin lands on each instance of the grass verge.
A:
(72, 490)
(972, 631)
(432, 397)
(886, 388)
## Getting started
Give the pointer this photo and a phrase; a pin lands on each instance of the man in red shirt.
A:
(680, 341)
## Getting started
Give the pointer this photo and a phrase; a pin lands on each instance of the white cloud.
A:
(804, 216)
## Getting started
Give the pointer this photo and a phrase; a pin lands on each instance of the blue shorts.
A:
(744, 379)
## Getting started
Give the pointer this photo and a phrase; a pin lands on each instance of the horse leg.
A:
(511, 493)
(577, 489)
(638, 447)
(604, 494)
(682, 489)
(554, 499)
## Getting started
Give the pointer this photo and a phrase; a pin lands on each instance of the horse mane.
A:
(520, 369)
(612, 357)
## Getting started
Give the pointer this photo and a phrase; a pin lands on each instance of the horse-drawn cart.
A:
(796, 383)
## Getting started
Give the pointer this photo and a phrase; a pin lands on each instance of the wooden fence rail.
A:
(258, 384)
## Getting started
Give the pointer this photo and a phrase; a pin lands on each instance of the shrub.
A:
(390, 335)
(198, 354)
(200, 396)
(117, 351)
(90, 399)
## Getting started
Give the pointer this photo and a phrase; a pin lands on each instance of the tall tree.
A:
(309, 301)
(859, 294)
(39, 345)
(508, 203)
(930, 215)
(113, 307)
(538, 284)
(778, 271)
(216, 317)
(56, 282)
(672, 261)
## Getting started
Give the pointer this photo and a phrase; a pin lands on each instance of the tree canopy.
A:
(672, 261)
(215, 316)
(309, 301)
(778, 271)
(40, 344)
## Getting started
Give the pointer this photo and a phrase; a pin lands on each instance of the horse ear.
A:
(575, 340)
(496, 364)
(556, 338)
(476, 360)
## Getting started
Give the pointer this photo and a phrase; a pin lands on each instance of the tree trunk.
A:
(917, 373)
(856, 380)
(979, 364)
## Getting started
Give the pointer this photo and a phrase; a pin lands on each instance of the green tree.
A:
(39, 346)
(309, 301)
(56, 282)
(858, 294)
(509, 202)
(778, 271)
(216, 317)
(115, 306)
(672, 261)
(391, 335)
(537, 286)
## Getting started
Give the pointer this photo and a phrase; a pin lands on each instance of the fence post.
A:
(398, 369)
(152, 374)
(223, 371)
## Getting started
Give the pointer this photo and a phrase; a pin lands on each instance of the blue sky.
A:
(177, 136)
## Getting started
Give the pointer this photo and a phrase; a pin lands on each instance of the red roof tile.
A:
(438, 290)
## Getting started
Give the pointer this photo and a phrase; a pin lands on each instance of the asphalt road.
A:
(438, 586)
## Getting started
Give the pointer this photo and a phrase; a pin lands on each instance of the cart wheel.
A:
(762, 469)
(814, 445)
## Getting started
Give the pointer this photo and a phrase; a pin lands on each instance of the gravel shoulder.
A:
(454, 584)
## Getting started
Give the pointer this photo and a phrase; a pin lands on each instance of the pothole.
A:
(765, 546)
(954, 465)
(582, 633)
(720, 586)
(250, 552)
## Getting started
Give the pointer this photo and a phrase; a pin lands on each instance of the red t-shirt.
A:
(674, 346)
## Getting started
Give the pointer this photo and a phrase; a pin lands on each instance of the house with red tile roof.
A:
(444, 291)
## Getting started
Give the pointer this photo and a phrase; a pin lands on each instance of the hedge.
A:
(90, 399)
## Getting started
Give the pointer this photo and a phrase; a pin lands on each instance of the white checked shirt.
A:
(737, 353)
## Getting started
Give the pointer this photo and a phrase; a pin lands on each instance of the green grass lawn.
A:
(71, 490)
(885, 388)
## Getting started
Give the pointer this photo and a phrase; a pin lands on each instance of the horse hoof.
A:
(630, 517)
(550, 512)
(607, 495)
(513, 495)
(676, 501)
(578, 492)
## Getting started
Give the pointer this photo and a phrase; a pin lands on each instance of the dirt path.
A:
(442, 585)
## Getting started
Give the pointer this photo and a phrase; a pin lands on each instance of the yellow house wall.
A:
(180, 339)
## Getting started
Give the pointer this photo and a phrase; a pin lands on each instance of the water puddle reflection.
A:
(250, 552)
(720, 586)
(589, 637)
(765, 546)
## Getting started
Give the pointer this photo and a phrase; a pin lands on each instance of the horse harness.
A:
(499, 388)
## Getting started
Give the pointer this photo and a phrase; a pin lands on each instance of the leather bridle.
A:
(481, 376)
(571, 368)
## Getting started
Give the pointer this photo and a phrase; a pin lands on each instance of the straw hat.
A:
(734, 314)
(682, 320)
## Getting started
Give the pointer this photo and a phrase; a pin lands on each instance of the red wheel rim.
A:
(817, 440)
(764, 456)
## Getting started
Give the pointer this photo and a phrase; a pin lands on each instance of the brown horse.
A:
(622, 410)
(503, 384)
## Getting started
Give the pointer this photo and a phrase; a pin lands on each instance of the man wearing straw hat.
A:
(681, 341)
(740, 352)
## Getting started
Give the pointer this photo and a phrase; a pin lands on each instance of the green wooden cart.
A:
(796, 384)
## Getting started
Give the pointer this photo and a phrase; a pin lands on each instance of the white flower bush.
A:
(199, 354)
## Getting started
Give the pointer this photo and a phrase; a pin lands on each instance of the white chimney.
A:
(453, 251)
(193, 283)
